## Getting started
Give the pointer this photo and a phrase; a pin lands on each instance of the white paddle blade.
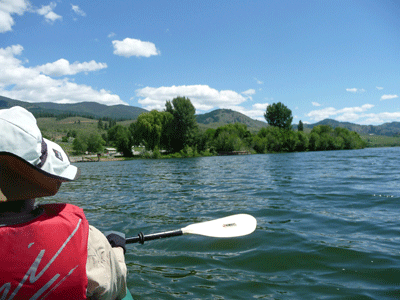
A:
(232, 226)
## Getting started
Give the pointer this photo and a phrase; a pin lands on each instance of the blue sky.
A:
(322, 59)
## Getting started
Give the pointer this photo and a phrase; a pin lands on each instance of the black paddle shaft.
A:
(155, 236)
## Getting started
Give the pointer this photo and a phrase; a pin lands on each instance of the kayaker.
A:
(48, 251)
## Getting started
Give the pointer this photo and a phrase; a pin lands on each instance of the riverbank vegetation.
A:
(174, 132)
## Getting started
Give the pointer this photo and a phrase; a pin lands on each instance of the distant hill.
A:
(387, 129)
(86, 109)
(222, 117)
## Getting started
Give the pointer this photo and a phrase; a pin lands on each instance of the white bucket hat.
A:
(30, 165)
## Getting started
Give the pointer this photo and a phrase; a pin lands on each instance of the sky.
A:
(336, 59)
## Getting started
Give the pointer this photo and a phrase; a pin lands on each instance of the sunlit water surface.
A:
(328, 223)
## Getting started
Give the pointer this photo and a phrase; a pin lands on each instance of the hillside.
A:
(95, 110)
(222, 117)
(86, 109)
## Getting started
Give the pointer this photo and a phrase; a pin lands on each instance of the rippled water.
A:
(328, 223)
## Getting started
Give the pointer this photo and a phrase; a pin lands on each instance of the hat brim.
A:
(57, 163)
(20, 180)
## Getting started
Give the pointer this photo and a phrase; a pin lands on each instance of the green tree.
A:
(321, 138)
(204, 139)
(112, 123)
(121, 138)
(278, 115)
(322, 129)
(302, 141)
(259, 144)
(72, 133)
(232, 137)
(104, 136)
(348, 139)
(314, 142)
(274, 138)
(79, 144)
(226, 142)
(237, 128)
(300, 127)
(95, 143)
(183, 128)
(290, 140)
(124, 141)
(324, 137)
(151, 129)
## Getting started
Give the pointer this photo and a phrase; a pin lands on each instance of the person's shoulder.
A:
(53, 209)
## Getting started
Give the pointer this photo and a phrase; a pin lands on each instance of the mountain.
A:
(222, 117)
(388, 129)
(87, 109)
(212, 119)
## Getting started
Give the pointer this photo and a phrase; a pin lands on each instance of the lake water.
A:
(328, 223)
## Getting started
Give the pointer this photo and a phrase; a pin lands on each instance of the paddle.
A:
(232, 226)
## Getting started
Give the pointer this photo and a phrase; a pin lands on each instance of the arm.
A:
(105, 268)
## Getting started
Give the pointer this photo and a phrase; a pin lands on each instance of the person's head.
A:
(30, 165)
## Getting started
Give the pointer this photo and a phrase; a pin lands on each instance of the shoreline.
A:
(93, 158)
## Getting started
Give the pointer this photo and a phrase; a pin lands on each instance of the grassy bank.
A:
(374, 141)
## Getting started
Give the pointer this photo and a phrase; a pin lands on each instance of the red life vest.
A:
(46, 257)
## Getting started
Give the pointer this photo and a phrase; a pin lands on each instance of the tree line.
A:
(175, 131)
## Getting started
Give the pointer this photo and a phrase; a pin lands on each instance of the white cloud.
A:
(348, 114)
(19, 7)
(11, 51)
(48, 13)
(257, 112)
(388, 97)
(7, 9)
(111, 34)
(379, 88)
(318, 115)
(315, 104)
(355, 90)
(258, 81)
(380, 118)
(78, 11)
(261, 107)
(133, 47)
(202, 97)
(249, 93)
(62, 67)
(29, 84)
